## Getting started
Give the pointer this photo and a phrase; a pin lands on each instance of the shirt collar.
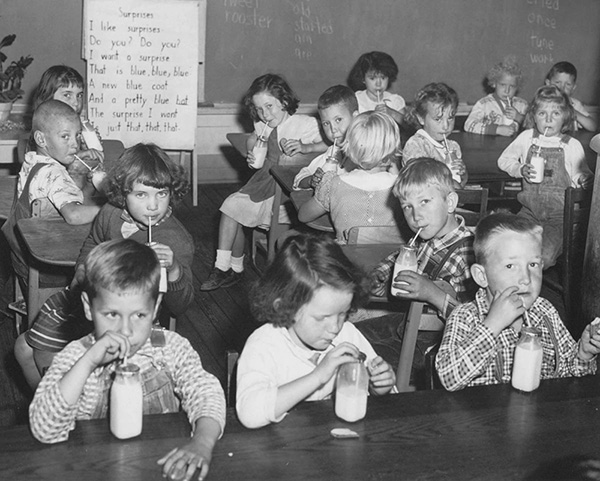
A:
(130, 226)
(436, 144)
(438, 243)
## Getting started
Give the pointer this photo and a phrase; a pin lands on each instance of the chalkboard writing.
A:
(314, 43)
(142, 70)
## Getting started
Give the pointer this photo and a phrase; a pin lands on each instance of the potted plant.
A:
(10, 78)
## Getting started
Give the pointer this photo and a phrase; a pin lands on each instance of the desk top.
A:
(491, 432)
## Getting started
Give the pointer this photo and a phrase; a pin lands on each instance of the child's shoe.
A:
(219, 278)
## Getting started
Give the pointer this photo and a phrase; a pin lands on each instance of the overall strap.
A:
(459, 243)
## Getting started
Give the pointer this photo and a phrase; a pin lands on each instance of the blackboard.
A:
(314, 43)
(142, 70)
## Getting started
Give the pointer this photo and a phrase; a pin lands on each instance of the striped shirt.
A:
(470, 355)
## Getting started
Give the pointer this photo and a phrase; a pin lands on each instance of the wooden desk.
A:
(491, 432)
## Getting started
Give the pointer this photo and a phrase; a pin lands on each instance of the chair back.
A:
(375, 234)
(473, 205)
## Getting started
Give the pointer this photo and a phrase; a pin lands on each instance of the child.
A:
(443, 279)
(564, 76)
(272, 105)
(337, 107)
(120, 296)
(500, 112)
(375, 72)
(434, 110)
(142, 188)
(549, 120)
(361, 197)
(480, 337)
(304, 299)
(43, 175)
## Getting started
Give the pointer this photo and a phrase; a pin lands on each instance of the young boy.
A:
(55, 129)
(337, 108)
(480, 336)
(564, 76)
(426, 193)
(120, 296)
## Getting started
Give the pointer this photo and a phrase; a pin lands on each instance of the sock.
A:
(223, 261)
(237, 264)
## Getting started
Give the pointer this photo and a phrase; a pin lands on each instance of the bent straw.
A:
(81, 160)
(414, 239)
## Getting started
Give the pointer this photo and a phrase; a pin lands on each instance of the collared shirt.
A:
(421, 144)
(488, 113)
(456, 270)
(470, 355)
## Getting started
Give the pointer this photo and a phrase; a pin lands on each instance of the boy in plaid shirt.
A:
(443, 280)
(480, 336)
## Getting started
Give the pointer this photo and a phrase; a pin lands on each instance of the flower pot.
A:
(5, 109)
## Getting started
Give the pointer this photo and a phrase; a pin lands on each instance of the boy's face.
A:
(506, 87)
(335, 120)
(564, 81)
(72, 96)
(549, 118)
(320, 320)
(129, 313)
(147, 205)
(513, 259)
(438, 121)
(376, 82)
(428, 209)
(59, 139)
(269, 109)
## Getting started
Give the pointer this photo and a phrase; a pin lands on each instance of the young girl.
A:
(272, 105)
(500, 112)
(548, 121)
(372, 74)
(360, 197)
(434, 110)
(142, 188)
(303, 298)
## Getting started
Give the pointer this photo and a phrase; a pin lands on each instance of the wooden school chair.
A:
(472, 205)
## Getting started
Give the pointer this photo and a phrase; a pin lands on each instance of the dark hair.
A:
(304, 263)
(275, 85)
(562, 67)
(496, 223)
(436, 93)
(338, 95)
(47, 112)
(551, 93)
(121, 265)
(150, 165)
(56, 77)
(379, 62)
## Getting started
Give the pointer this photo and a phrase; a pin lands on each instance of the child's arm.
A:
(379, 277)
(510, 160)
(589, 345)
(294, 146)
(397, 115)
(382, 376)
(311, 210)
(420, 288)
(320, 203)
(478, 121)
(584, 118)
(75, 213)
(576, 165)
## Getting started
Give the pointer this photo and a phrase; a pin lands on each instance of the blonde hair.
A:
(508, 66)
(421, 172)
(373, 139)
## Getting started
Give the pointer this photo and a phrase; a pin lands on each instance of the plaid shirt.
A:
(455, 271)
(470, 355)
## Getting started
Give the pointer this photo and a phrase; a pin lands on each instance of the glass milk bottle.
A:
(527, 363)
(260, 152)
(352, 384)
(537, 162)
(90, 137)
(126, 402)
(406, 261)
(331, 162)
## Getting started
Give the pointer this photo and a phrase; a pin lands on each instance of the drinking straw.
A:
(526, 318)
(378, 99)
(414, 239)
(546, 131)
(149, 230)
(446, 144)
(81, 160)
(125, 359)
(264, 130)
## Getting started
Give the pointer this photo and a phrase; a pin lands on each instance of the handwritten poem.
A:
(542, 22)
(142, 70)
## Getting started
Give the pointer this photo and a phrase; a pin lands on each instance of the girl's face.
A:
(549, 118)
(72, 96)
(438, 121)
(506, 87)
(318, 322)
(147, 205)
(269, 109)
(376, 82)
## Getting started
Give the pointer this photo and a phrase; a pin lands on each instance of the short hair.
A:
(54, 78)
(551, 93)
(435, 93)
(305, 263)
(378, 62)
(150, 165)
(497, 223)
(419, 173)
(338, 95)
(121, 265)
(372, 139)
(508, 66)
(49, 112)
(276, 86)
(562, 67)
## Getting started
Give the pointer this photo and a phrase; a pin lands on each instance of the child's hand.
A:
(382, 376)
(586, 181)
(378, 282)
(415, 286)
(341, 354)
(91, 154)
(511, 113)
(577, 105)
(382, 107)
(291, 146)
(528, 172)
(181, 463)
(506, 130)
(250, 159)
(167, 260)
(589, 346)
(110, 346)
(316, 178)
(459, 167)
(506, 307)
